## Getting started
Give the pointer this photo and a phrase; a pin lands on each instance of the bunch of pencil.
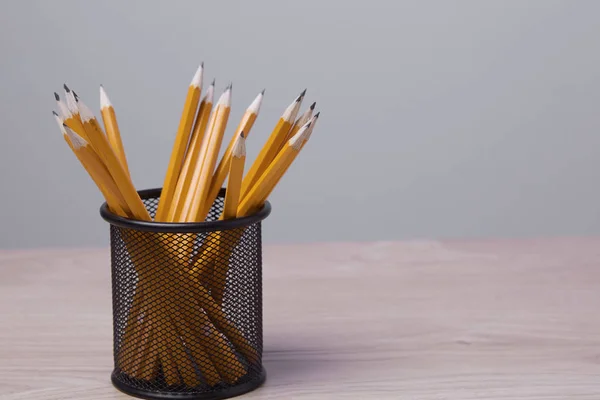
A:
(189, 339)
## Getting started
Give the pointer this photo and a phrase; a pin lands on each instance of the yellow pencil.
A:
(111, 194)
(313, 124)
(303, 139)
(269, 179)
(208, 157)
(234, 183)
(90, 120)
(192, 156)
(95, 168)
(220, 174)
(201, 118)
(99, 143)
(180, 145)
(112, 128)
(303, 119)
(270, 149)
(70, 114)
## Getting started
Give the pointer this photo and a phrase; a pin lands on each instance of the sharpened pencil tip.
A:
(202, 64)
(56, 96)
(239, 149)
(301, 96)
(66, 88)
(213, 82)
(104, 101)
(225, 98)
(197, 79)
(55, 113)
(312, 106)
(76, 97)
(263, 92)
(254, 107)
(317, 115)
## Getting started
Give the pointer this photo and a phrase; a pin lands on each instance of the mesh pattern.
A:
(187, 309)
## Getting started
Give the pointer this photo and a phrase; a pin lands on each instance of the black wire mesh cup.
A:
(187, 304)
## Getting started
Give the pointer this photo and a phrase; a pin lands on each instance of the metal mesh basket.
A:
(187, 304)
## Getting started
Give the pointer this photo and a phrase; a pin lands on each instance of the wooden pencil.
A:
(180, 145)
(244, 127)
(313, 125)
(234, 183)
(95, 168)
(111, 126)
(269, 179)
(100, 143)
(273, 144)
(303, 119)
(71, 117)
(208, 156)
(192, 156)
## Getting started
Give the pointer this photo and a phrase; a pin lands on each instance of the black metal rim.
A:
(182, 227)
(216, 395)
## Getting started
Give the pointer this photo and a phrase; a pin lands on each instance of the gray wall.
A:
(440, 118)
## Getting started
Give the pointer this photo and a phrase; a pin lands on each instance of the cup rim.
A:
(182, 227)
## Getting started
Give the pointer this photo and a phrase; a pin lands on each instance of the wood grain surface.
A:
(422, 320)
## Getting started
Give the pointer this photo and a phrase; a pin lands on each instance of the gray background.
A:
(440, 118)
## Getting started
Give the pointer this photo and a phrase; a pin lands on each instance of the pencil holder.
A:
(187, 304)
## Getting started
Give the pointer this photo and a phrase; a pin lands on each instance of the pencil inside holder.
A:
(187, 304)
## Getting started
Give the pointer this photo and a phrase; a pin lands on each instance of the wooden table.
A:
(421, 320)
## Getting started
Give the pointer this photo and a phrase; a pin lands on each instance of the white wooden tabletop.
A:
(421, 320)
